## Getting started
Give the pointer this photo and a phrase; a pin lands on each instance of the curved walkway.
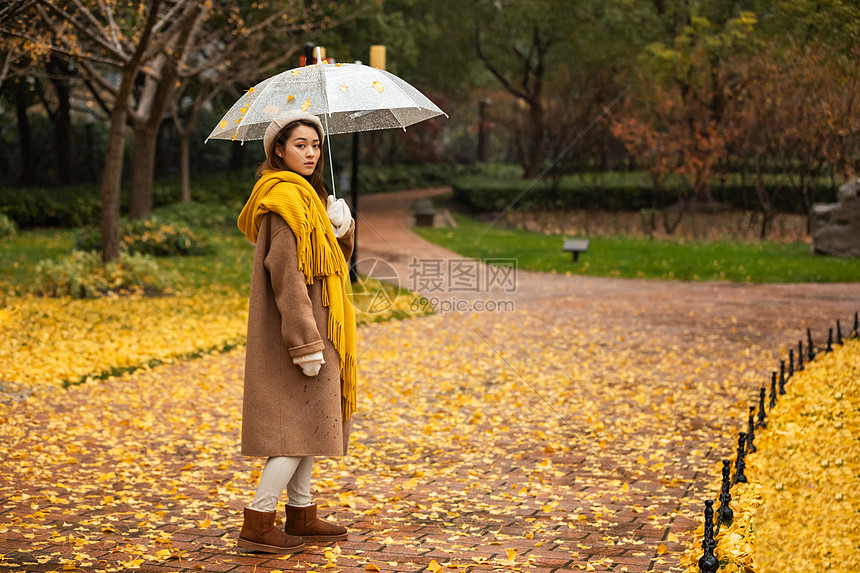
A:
(577, 428)
(778, 312)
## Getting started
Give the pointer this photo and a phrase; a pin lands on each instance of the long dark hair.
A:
(277, 163)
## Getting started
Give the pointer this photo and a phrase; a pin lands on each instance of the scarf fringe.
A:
(292, 197)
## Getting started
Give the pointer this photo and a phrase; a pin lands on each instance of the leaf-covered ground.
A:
(576, 431)
(51, 342)
(798, 511)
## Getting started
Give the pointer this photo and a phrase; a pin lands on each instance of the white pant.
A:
(280, 472)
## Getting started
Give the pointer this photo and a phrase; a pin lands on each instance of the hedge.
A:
(631, 191)
(80, 206)
(481, 188)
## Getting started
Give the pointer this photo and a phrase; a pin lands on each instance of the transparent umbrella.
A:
(346, 97)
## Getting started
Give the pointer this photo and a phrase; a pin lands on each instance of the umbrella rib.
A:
(250, 105)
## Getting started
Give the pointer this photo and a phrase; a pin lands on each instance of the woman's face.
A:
(301, 150)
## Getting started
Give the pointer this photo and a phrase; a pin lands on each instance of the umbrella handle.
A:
(327, 136)
(330, 158)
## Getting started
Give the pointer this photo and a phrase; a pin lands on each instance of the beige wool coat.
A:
(284, 412)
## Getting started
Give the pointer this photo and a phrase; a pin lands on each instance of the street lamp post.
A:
(377, 60)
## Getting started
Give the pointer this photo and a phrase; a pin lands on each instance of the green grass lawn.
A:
(230, 265)
(226, 269)
(758, 262)
(19, 254)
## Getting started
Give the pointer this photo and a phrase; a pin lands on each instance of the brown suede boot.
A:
(302, 521)
(260, 534)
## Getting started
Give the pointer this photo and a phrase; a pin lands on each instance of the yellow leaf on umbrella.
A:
(296, 72)
(306, 105)
(378, 87)
(343, 88)
(290, 98)
(222, 124)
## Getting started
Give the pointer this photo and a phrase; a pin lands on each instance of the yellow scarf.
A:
(292, 197)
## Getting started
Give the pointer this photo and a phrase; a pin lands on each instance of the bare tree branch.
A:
(81, 27)
(193, 9)
(111, 25)
(499, 76)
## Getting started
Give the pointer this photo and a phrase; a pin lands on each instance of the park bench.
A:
(425, 213)
(575, 246)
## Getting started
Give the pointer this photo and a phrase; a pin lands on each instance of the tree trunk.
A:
(670, 225)
(112, 172)
(702, 186)
(766, 218)
(25, 136)
(146, 128)
(185, 167)
(143, 172)
(534, 156)
(110, 182)
(62, 121)
(63, 132)
(185, 132)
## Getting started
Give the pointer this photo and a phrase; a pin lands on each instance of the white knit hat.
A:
(282, 120)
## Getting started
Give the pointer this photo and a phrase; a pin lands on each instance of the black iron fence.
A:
(709, 561)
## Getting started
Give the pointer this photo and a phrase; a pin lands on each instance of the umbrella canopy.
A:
(347, 97)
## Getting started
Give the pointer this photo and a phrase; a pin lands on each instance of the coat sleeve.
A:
(298, 326)
(347, 242)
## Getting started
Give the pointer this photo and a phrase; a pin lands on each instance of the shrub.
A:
(401, 177)
(51, 207)
(7, 227)
(83, 275)
(197, 215)
(148, 237)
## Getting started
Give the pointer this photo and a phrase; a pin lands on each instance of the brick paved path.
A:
(577, 430)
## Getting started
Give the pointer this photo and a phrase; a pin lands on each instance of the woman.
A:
(300, 376)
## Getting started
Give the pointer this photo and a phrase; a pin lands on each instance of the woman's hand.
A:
(310, 363)
(339, 215)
